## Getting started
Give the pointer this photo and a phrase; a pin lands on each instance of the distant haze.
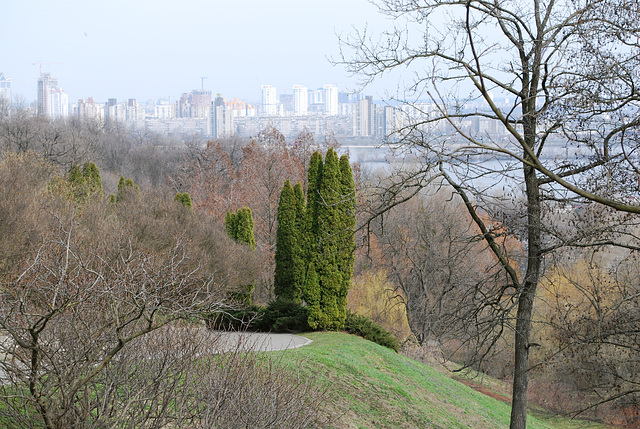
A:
(150, 49)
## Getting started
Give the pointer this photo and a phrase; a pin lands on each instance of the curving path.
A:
(258, 341)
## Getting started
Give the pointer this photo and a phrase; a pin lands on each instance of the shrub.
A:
(283, 316)
(369, 330)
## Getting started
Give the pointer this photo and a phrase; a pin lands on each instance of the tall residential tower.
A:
(269, 103)
(300, 100)
(53, 102)
(330, 100)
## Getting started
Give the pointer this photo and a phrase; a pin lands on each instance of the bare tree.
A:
(566, 130)
(429, 248)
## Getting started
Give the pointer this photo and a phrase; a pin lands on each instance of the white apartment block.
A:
(58, 103)
(53, 102)
(269, 101)
(330, 100)
(300, 100)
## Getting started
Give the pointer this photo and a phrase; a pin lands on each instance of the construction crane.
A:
(40, 63)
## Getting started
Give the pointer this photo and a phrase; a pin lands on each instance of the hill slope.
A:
(373, 387)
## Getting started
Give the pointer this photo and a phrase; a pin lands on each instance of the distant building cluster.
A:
(321, 111)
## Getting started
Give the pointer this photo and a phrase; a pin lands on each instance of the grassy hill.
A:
(372, 387)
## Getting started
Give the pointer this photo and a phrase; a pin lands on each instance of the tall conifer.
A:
(286, 237)
(239, 226)
(329, 227)
(315, 242)
(347, 245)
(245, 227)
(299, 261)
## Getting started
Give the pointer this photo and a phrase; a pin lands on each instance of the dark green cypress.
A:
(299, 261)
(329, 219)
(284, 280)
(347, 242)
(314, 178)
(312, 297)
(311, 239)
(328, 236)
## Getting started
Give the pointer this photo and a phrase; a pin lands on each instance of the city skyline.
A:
(156, 49)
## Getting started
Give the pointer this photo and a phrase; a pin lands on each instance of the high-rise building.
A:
(330, 100)
(58, 103)
(194, 104)
(391, 123)
(5, 88)
(221, 118)
(134, 111)
(364, 121)
(112, 112)
(300, 100)
(45, 84)
(53, 102)
(269, 104)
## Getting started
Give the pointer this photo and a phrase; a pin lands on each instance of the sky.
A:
(152, 49)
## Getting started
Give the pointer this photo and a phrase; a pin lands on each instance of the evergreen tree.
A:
(347, 224)
(314, 177)
(127, 189)
(329, 227)
(240, 227)
(299, 261)
(231, 224)
(91, 175)
(121, 184)
(185, 199)
(85, 182)
(75, 175)
(285, 241)
(310, 242)
(312, 297)
(244, 233)
(315, 243)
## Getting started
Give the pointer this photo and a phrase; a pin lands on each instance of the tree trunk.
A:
(525, 303)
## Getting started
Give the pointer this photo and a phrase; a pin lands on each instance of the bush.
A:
(236, 320)
(283, 316)
(369, 330)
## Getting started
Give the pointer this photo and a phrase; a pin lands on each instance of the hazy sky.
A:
(149, 49)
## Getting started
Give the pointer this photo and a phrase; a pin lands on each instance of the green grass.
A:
(373, 387)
